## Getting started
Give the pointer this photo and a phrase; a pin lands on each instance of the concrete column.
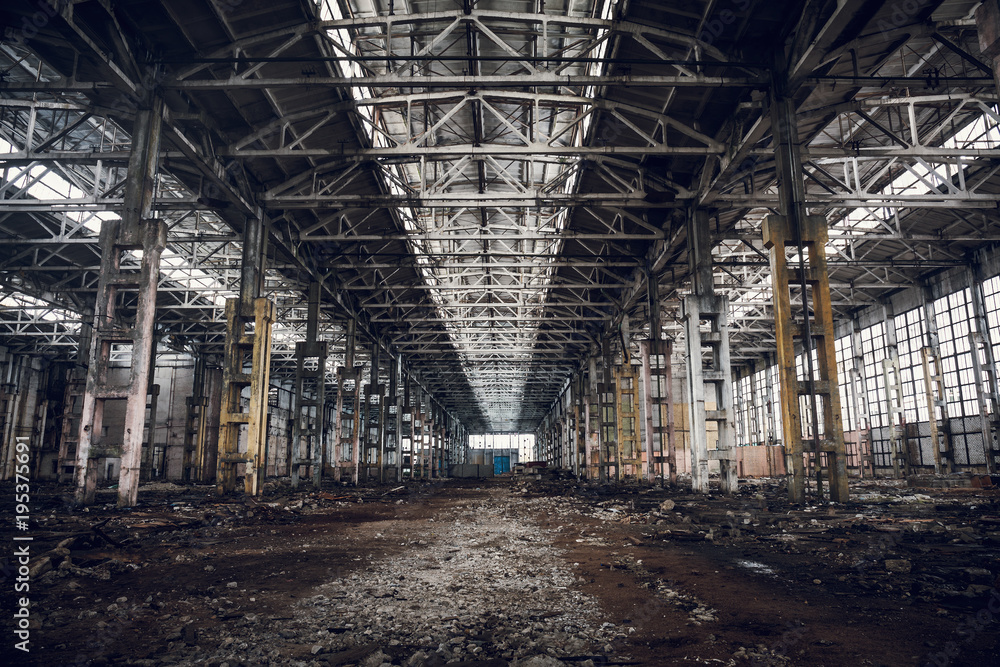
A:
(196, 424)
(149, 431)
(649, 467)
(795, 228)
(76, 381)
(859, 385)
(811, 239)
(984, 364)
(711, 379)
(988, 25)
(417, 431)
(431, 430)
(893, 385)
(937, 401)
(647, 348)
(579, 424)
(309, 399)
(607, 420)
(593, 435)
(136, 230)
(244, 348)
(406, 427)
(373, 426)
(348, 419)
(390, 418)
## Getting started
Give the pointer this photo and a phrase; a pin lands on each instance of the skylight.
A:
(487, 266)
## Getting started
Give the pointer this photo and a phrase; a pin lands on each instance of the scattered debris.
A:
(512, 570)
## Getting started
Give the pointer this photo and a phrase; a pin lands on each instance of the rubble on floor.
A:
(465, 593)
(888, 538)
(510, 571)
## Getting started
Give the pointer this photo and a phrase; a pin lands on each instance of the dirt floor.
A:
(511, 571)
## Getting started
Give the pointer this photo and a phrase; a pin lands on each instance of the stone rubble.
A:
(483, 585)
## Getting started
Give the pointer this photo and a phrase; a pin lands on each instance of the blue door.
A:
(501, 464)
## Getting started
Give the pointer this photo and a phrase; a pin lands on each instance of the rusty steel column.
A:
(429, 426)
(658, 396)
(628, 455)
(346, 457)
(264, 316)
(572, 418)
(406, 429)
(372, 425)
(136, 230)
(442, 434)
(196, 423)
(243, 347)
(72, 400)
(417, 465)
(795, 228)
(401, 400)
(775, 236)
(249, 319)
(149, 432)
(646, 348)
(813, 238)
(607, 420)
(579, 425)
(649, 473)
(308, 400)
(391, 416)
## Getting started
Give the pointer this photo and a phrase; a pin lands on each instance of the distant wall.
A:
(470, 470)
(760, 461)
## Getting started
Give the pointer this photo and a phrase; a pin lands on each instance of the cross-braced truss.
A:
(485, 187)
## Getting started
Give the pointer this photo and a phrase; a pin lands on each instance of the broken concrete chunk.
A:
(417, 659)
(189, 633)
(540, 661)
(40, 567)
(898, 565)
(376, 659)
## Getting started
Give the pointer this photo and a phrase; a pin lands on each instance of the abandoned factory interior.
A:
(500, 332)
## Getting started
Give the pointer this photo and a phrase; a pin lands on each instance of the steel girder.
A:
(522, 148)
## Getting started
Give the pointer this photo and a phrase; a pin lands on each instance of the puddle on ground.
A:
(754, 566)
